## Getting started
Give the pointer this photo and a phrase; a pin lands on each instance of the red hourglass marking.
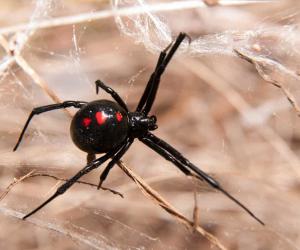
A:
(86, 121)
(119, 116)
(100, 117)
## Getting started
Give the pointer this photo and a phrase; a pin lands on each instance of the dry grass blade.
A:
(32, 174)
(147, 191)
(10, 60)
(16, 57)
(259, 64)
(233, 135)
(211, 2)
(79, 182)
(90, 241)
(159, 200)
(39, 80)
(88, 17)
(242, 106)
(15, 182)
(144, 187)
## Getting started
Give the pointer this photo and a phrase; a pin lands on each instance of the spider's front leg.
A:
(43, 109)
(148, 97)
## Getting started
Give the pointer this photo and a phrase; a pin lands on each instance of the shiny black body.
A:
(108, 127)
(98, 138)
(95, 138)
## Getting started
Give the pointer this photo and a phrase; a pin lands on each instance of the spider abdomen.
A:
(99, 126)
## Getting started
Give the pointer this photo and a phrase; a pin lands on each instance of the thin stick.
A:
(88, 17)
(258, 63)
(16, 57)
(39, 81)
(78, 235)
(196, 217)
(159, 200)
(32, 174)
(147, 191)
(242, 106)
(15, 182)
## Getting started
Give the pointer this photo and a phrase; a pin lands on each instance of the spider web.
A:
(238, 116)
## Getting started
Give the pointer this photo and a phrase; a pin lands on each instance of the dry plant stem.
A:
(38, 80)
(211, 2)
(90, 241)
(240, 104)
(144, 187)
(80, 182)
(11, 60)
(15, 182)
(4, 44)
(92, 16)
(16, 49)
(32, 174)
(159, 200)
(196, 217)
(16, 57)
(147, 190)
(260, 63)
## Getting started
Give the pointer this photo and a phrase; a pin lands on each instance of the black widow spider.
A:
(104, 126)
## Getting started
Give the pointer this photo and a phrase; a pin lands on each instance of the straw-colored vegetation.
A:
(229, 101)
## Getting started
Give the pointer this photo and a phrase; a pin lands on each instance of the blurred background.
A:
(236, 120)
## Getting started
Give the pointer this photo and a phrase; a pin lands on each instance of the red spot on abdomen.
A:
(86, 121)
(100, 117)
(119, 116)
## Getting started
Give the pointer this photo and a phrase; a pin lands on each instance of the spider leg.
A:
(171, 154)
(168, 156)
(116, 158)
(155, 77)
(43, 109)
(64, 187)
(150, 82)
(113, 93)
(90, 157)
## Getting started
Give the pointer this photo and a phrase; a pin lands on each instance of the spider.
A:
(108, 127)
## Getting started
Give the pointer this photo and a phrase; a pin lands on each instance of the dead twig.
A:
(259, 64)
(38, 80)
(78, 235)
(242, 106)
(147, 191)
(15, 56)
(211, 2)
(32, 174)
(157, 7)
(15, 182)
(159, 200)
(196, 217)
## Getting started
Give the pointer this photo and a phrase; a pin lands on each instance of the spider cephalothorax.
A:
(140, 124)
(108, 127)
